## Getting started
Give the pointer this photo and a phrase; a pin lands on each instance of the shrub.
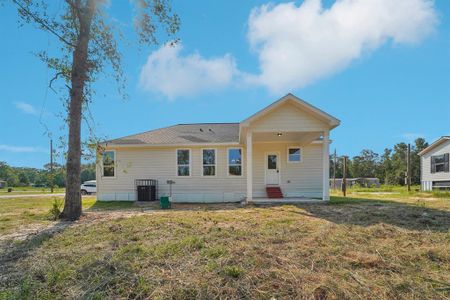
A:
(55, 211)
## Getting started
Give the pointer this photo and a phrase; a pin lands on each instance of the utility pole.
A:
(51, 166)
(344, 176)
(334, 169)
(408, 168)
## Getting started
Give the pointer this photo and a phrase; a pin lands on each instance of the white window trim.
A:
(436, 164)
(228, 161)
(287, 155)
(190, 162)
(215, 163)
(115, 166)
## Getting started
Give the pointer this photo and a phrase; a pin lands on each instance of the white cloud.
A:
(27, 108)
(170, 73)
(22, 149)
(298, 45)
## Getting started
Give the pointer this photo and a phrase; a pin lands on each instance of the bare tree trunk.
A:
(72, 205)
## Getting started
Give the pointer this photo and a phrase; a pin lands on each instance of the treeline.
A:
(389, 167)
(18, 176)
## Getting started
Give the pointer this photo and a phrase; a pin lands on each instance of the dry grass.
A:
(348, 249)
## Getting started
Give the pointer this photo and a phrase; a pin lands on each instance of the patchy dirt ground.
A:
(347, 249)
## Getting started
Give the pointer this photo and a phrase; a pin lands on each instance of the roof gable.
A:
(434, 145)
(301, 104)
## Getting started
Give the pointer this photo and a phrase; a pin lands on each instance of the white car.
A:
(89, 187)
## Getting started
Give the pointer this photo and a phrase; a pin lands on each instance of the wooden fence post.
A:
(344, 176)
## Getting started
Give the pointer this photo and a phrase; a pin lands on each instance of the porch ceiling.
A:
(302, 138)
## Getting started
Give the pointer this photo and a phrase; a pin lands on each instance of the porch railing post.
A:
(249, 144)
(326, 166)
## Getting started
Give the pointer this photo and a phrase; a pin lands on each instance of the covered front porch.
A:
(287, 157)
(287, 166)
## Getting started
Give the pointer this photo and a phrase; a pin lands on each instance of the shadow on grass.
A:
(340, 210)
(367, 212)
(12, 252)
(110, 205)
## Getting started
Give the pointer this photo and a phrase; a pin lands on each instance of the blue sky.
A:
(383, 69)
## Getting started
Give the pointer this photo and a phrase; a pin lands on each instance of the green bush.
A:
(55, 211)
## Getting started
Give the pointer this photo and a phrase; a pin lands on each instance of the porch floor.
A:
(285, 200)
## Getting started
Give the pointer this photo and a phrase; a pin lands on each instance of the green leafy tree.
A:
(88, 172)
(399, 163)
(386, 168)
(23, 179)
(366, 164)
(4, 170)
(419, 145)
(88, 43)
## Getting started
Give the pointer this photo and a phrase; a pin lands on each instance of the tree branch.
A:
(53, 79)
(42, 22)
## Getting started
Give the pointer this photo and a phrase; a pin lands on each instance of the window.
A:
(294, 155)
(109, 163)
(440, 163)
(235, 162)
(272, 162)
(183, 162)
(209, 162)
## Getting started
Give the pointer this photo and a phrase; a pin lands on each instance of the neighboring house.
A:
(362, 182)
(2, 184)
(281, 151)
(434, 165)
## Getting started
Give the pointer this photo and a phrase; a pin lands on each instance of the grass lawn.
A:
(366, 246)
(29, 190)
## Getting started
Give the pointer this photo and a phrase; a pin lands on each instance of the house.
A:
(2, 184)
(434, 165)
(281, 151)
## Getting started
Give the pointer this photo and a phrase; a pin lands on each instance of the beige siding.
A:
(426, 175)
(296, 179)
(302, 179)
(160, 164)
(288, 118)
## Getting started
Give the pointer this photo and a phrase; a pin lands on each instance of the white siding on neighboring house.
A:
(427, 177)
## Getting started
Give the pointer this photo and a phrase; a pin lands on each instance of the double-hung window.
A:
(209, 162)
(235, 162)
(184, 162)
(109, 160)
(440, 163)
(294, 154)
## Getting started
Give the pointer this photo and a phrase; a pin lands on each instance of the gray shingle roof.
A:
(181, 134)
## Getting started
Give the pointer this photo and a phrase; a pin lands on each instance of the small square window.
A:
(294, 155)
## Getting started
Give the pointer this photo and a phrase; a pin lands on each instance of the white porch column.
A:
(326, 165)
(249, 166)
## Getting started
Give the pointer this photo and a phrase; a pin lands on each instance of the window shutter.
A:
(433, 165)
(446, 163)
